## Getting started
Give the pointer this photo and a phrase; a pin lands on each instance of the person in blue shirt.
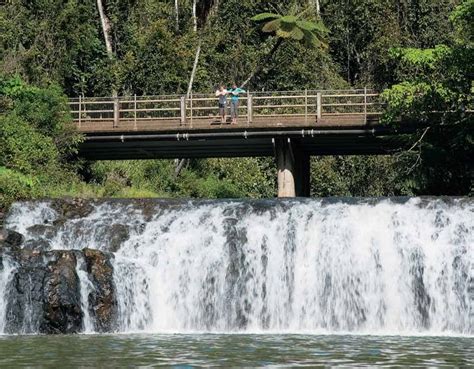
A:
(234, 101)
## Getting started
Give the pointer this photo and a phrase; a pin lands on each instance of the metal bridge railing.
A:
(312, 106)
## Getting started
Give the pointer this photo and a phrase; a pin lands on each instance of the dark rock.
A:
(38, 245)
(119, 233)
(72, 208)
(103, 299)
(44, 291)
(62, 301)
(11, 238)
(41, 230)
(24, 308)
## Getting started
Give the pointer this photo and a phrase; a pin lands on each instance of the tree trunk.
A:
(105, 22)
(176, 11)
(263, 62)
(193, 72)
(194, 16)
(180, 164)
(316, 4)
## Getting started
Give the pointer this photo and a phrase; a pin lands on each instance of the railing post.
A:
(306, 105)
(80, 113)
(135, 111)
(365, 105)
(319, 105)
(182, 105)
(249, 108)
(116, 111)
(191, 108)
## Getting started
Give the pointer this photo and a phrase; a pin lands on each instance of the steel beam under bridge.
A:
(242, 143)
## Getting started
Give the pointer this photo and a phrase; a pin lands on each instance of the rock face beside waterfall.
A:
(44, 288)
(102, 299)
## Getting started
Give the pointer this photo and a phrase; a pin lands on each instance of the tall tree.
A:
(106, 29)
(289, 27)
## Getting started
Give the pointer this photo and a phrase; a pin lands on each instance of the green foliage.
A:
(365, 176)
(423, 48)
(44, 110)
(23, 148)
(310, 33)
(265, 16)
(363, 32)
(15, 186)
(52, 41)
(436, 89)
(36, 139)
(212, 178)
(253, 177)
(463, 19)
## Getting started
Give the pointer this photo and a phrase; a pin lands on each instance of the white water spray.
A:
(7, 268)
(86, 288)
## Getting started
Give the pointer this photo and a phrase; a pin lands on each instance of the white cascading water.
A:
(7, 268)
(86, 288)
(390, 266)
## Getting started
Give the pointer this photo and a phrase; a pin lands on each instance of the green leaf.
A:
(289, 19)
(288, 27)
(283, 34)
(297, 34)
(265, 16)
(306, 25)
(272, 26)
(320, 27)
(310, 40)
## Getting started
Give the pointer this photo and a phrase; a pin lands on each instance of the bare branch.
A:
(419, 140)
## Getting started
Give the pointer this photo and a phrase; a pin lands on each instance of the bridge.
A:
(289, 125)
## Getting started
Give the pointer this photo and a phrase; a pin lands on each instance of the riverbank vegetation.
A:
(419, 52)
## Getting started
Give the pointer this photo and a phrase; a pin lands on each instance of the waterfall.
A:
(381, 266)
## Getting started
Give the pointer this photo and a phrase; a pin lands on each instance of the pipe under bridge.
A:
(290, 126)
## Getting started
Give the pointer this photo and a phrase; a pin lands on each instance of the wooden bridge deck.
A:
(214, 124)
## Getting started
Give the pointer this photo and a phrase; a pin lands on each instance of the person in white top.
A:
(222, 94)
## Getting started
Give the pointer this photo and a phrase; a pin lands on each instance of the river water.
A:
(250, 350)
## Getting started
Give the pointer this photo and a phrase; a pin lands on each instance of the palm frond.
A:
(297, 34)
(272, 26)
(289, 19)
(306, 25)
(265, 16)
(288, 27)
(283, 34)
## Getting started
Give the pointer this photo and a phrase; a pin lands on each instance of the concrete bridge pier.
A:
(293, 167)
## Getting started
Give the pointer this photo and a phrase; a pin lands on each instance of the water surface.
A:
(225, 350)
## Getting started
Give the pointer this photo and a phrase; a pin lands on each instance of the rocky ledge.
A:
(45, 292)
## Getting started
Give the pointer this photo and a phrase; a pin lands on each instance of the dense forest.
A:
(418, 52)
